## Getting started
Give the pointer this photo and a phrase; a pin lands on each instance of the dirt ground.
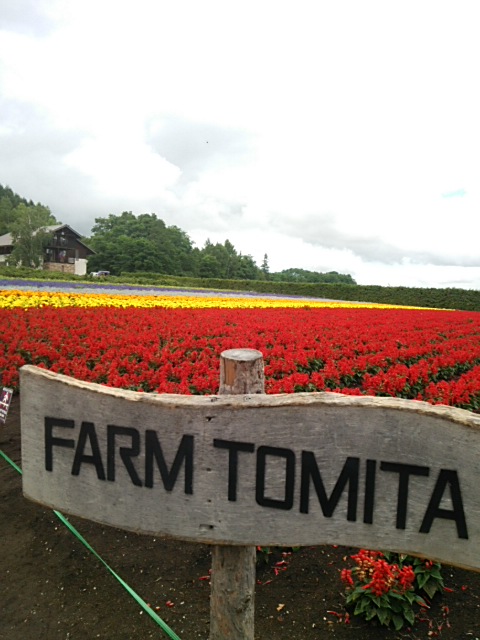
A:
(52, 587)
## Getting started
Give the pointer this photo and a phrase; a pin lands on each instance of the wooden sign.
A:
(288, 470)
(5, 400)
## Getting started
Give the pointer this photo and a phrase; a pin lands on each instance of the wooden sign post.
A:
(232, 600)
(247, 468)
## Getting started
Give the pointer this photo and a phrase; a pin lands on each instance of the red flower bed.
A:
(425, 355)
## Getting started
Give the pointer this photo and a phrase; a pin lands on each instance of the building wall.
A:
(80, 267)
(62, 267)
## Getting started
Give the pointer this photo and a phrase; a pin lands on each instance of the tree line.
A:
(129, 243)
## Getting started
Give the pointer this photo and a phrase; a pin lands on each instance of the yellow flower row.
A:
(11, 299)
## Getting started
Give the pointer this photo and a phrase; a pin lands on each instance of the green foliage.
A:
(144, 243)
(265, 268)
(129, 244)
(389, 587)
(9, 201)
(6, 214)
(302, 275)
(428, 573)
(14, 198)
(29, 234)
(28, 273)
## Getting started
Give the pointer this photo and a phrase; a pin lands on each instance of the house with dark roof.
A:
(66, 252)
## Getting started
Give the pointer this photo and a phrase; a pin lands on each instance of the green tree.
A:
(222, 255)
(303, 275)
(6, 214)
(209, 267)
(129, 243)
(144, 243)
(113, 225)
(125, 255)
(246, 268)
(8, 203)
(14, 198)
(29, 233)
(226, 263)
(265, 269)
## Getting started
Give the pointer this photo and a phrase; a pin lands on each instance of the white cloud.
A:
(124, 167)
(331, 136)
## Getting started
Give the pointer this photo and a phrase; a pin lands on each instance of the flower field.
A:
(26, 299)
(172, 344)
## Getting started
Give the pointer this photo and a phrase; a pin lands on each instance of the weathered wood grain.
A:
(232, 598)
(258, 466)
(241, 372)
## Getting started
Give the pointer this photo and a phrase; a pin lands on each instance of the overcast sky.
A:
(330, 135)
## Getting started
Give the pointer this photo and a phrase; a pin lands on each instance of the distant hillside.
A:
(13, 198)
(9, 201)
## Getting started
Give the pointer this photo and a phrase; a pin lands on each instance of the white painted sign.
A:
(288, 470)
(6, 395)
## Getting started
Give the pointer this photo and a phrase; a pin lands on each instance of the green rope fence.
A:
(161, 623)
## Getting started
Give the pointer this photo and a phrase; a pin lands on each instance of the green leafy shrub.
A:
(388, 587)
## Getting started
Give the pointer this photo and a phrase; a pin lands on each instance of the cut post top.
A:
(241, 372)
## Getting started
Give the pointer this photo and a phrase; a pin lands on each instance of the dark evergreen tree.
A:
(9, 201)
(265, 269)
